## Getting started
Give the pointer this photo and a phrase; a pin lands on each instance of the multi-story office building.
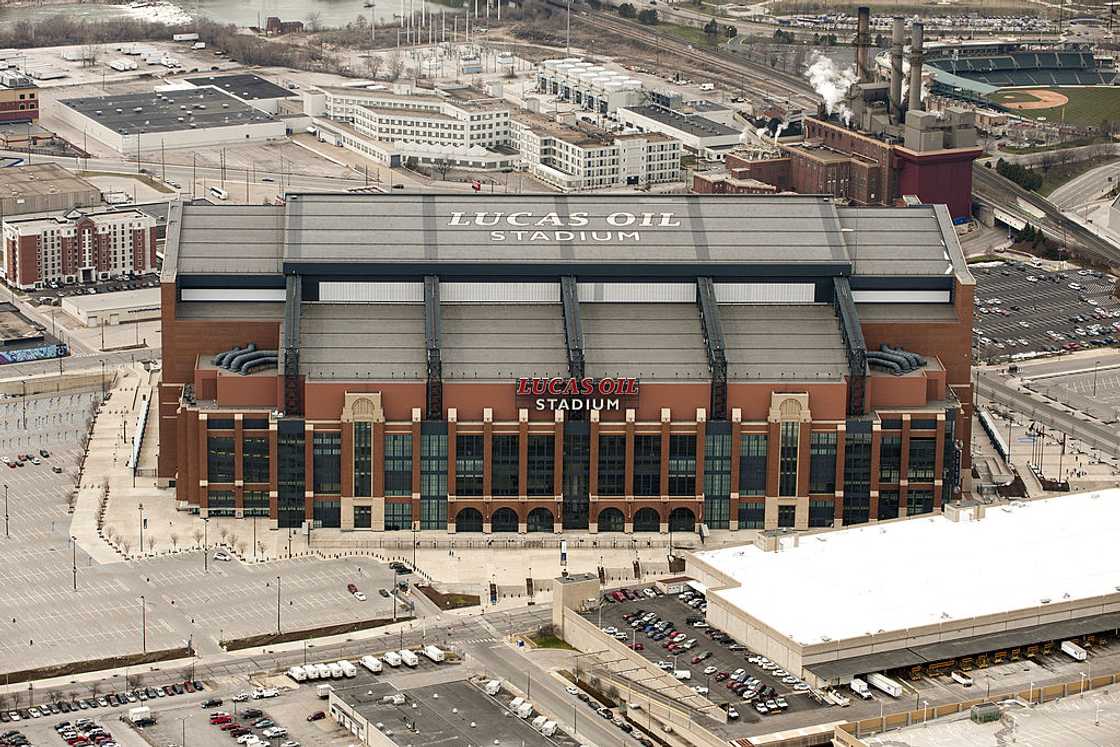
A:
(77, 246)
(606, 363)
(19, 98)
(585, 157)
(592, 87)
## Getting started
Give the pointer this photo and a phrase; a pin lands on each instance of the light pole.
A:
(144, 623)
(74, 559)
(205, 545)
(1082, 684)
(925, 713)
(6, 534)
(140, 509)
(1095, 365)
(277, 605)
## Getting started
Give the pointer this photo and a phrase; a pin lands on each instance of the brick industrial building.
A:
(876, 147)
(581, 363)
(19, 98)
(77, 246)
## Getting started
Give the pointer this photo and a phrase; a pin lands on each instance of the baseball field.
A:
(1084, 106)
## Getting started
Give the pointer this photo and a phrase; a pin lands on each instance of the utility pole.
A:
(74, 559)
(6, 534)
(140, 508)
(277, 605)
(205, 546)
(144, 623)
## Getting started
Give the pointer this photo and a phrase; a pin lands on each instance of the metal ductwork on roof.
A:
(272, 359)
(896, 360)
(875, 361)
(916, 360)
(244, 361)
(222, 359)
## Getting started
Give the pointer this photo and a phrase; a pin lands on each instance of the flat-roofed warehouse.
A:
(43, 187)
(545, 363)
(796, 605)
(173, 118)
(248, 88)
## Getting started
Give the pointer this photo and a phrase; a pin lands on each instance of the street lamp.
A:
(74, 559)
(144, 623)
(1082, 684)
(205, 544)
(140, 509)
(6, 534)
(925, 714)
(1095, 365)
(277, 605)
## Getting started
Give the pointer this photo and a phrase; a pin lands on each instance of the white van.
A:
(961, 678)
(683, 674)
(298, 674)
(392, 658)
(220, 193)
(324, 671)
(410, 659)
(372, 663)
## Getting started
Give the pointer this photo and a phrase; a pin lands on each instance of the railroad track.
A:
(774, 83)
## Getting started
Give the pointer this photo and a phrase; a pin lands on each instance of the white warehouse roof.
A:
(880, 578)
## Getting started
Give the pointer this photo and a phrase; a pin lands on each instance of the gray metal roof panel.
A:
(500, 342)
(362, 341)
(782, 342)
(230, 239)
(898, 241)
(650, 341)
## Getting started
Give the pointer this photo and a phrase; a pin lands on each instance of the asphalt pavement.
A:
(1087, 187)
(1013, 314)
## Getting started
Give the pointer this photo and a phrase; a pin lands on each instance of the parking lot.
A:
(45, 295)
(1024, 310)
(718, 661)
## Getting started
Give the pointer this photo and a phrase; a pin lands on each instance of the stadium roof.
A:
(602, 235)
(906, 583)
(166, 111)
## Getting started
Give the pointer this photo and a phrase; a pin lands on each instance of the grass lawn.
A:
(694, 36)
(1086, 108)
(549, 641)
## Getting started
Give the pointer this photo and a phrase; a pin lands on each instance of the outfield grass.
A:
(1087, 106)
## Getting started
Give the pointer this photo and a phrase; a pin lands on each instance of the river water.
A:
(332, 13)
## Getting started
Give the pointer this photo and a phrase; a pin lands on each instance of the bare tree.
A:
(151, 544)
(174, 541)
(239, 545)
(197, 535)
(396, 66)
(125, 546)
(223, 533)
(373, 64)
(313, 21)
(110, 533)
(440, 167)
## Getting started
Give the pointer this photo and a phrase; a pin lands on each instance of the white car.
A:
(710, 670)
(572, 690)
(241, 697)
(700, 689)
(265, 692)
(248, 739)
(223, 556)
(732, 713)
(361, 597)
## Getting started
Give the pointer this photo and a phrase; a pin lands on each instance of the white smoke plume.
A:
(831, 83)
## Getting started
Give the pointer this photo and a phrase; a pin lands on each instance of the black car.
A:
(211, 702)
(152, 693)
(178, 689)
(252, 713)
(383, 592)
(197, 685)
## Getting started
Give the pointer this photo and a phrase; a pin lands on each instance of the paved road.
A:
(1090, 186)
(91, 362)
(1103, 437)
(549, 696)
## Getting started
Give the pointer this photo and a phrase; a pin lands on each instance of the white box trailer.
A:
(324, 691)
(198, 45)
(324, 671)
(410, 659)
(549, 728)
(184, 37)
(493, 687)
(435, 653)
(336, 670)
(372, 663)
(392, 658)
(299, 674)
(539, 722)
(1074, 651)
(885, 683)
(140, 716)
(860, 688)
(310, 671)
(348, 669)
(524, 711)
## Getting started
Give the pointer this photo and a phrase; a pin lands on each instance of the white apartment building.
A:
(459, 127)
(592, 87)
(79, 246)
(574, 160)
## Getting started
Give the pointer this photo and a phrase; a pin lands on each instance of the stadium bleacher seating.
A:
(1029, 69)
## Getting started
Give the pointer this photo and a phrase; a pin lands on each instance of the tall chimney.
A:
(863, 43)
(916, 56)
(898, 39)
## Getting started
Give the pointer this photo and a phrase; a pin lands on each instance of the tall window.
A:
(787, 457)
(612, 465)
(919, 502)
(221, 503)
(433, 479)
(752, 464)
(398, 464)
(255, 502)
(468, 464)
(923, 458)
(682, 464)
(717, 479)
(890, 458)
(363, 517)
(822, 462)
(254, 459)
(398, 516)
(857, 509)
(857, 464)
(787, 516)
(327, 513)
(219, 459)
(888, 505)
(327, 454)
(541, 465)
(821, 513)
(577, 475)
(290, 473)
(752, 515)
(505, 459)
(647, 464)
(363, 460)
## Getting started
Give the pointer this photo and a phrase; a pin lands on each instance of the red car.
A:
(316, 716)
(636, 646)
(230, 725)
(351, 588)
(221, 719)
